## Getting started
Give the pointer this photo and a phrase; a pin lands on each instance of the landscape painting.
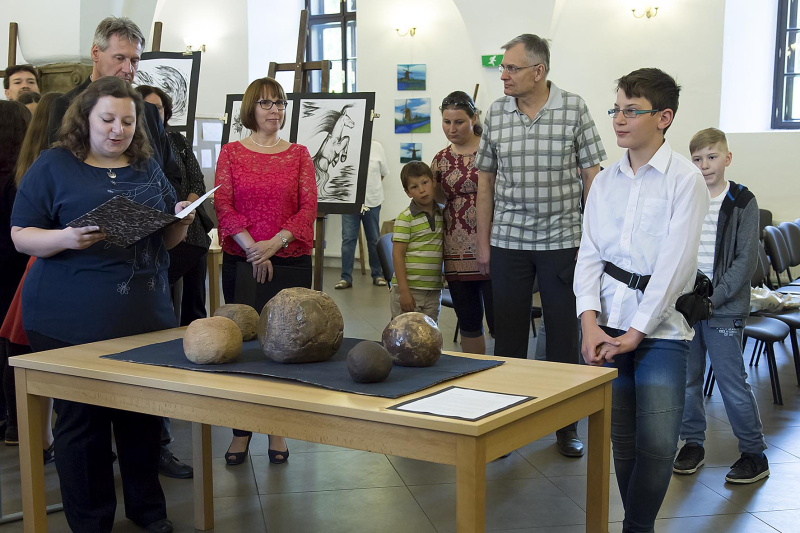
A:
(411, 77)
(412, 115)
(410, 152)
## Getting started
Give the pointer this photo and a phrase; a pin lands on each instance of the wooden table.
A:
(565, 393)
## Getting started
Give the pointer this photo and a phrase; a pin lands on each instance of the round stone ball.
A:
(243, 315)
(300, 326)
(413, 339)
(212, 341)
(368, 362)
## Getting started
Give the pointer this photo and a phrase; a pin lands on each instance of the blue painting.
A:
(411, 77)
(410, 152)
(412, 115)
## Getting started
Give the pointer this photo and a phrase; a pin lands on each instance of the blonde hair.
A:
(708, 137)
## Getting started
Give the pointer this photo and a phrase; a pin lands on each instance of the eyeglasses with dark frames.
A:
(630, 113)
(513, 69)
(266, 105)
(457, 103)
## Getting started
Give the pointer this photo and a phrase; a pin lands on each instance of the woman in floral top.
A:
(457, 183)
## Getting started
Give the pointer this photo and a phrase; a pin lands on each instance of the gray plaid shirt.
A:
(537, 192)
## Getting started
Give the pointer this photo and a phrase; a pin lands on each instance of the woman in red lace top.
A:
(266, 206)
(457, 183)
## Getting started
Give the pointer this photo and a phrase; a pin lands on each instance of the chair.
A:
(778, 252)
(791, 234)
(764, 220)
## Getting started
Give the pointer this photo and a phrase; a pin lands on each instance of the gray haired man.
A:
(539, 152)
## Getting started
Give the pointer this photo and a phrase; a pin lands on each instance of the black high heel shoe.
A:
(273, 456)
(238, 458)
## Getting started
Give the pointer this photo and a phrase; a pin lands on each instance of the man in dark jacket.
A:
(727, 254)
(116, 51)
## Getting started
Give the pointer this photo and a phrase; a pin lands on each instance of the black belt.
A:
(633, 281)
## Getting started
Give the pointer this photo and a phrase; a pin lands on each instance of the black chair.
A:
(791, 234)
(778, 253)
(764, 220)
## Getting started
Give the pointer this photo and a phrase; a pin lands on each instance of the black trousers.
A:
(513, 274)
(85, 464)
(11, 349)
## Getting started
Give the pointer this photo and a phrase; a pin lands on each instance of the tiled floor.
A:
(535, 490)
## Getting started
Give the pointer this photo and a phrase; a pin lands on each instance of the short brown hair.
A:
(657, 86)
(463, 101)
(708, 137)
(10, 71)
(253, 94)
(37, 136)
(414, 169)
(74, 132)
(166, 101)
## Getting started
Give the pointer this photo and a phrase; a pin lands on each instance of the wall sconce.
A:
(409, 31)
(189, 49)
(650, 12)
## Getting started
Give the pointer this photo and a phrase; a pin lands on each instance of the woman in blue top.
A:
(82, 289)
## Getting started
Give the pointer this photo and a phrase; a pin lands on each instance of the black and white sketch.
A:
(337, 130)
(176, 74)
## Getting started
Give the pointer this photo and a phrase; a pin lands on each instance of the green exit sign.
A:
(492, 60)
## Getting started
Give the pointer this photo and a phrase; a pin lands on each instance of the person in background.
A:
(81, 290)
(457, 187)
(370, 217)
(12, 333)
(266, 206)
(417, 246)
(30, 100)
(20, 79)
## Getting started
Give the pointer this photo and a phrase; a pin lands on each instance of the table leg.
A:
(203, 479)
(471, 485)
(31, 467)
(212, 261)
(599, 467)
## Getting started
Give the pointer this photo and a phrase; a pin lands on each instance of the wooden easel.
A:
(301, 69)
(13, 33)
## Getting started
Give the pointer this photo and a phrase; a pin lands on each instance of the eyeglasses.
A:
(630, 113)
(266, 105)
(457, 103)
(513, 69)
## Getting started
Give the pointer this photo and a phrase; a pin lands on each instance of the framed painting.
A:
(178, 75)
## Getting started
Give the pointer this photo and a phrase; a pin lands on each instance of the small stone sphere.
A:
(212, 341)
(413, 339)
(300, 326)
(368, 362)
(243, 315)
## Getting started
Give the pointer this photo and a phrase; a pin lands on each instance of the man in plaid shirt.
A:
(539, 152)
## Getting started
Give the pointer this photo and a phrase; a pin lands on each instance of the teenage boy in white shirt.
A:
(641, 230)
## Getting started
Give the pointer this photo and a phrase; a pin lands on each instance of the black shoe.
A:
(278, 457)
(748, 469)
(239, 457)
(569, 444)
(50, 454)
(691, 457)
(170, 466)
(160, 526)
(12, 436)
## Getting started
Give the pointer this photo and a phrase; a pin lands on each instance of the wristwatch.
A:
(283, 239)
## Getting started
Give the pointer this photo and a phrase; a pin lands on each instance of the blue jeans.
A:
(647, 408)
(724, 347)
(350, 225)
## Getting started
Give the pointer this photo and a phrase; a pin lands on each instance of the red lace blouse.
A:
(265, 193)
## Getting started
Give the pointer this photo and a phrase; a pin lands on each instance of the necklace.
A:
(112, 175)
(265, 145)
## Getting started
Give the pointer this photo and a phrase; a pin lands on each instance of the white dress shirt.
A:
(647, 223)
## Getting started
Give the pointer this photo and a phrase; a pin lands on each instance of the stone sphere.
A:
(368, 362)
(243, 315)
(212, 341)
(299, 325)
(413, 339)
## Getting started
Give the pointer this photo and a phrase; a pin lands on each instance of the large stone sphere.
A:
(299, 325)
(413, 339)
(243, 315)
(368, 362)
(212, 341)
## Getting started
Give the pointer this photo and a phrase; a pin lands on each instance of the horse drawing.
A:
(334, 148)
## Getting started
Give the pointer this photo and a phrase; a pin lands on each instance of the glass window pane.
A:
(351, 39)
(792, 53)
(325, 7)
(351, 76)
(351, 5)
(326, 41)
(792, 13)
(791, 107)
(337, 78)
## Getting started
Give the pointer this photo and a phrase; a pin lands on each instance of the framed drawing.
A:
(178, 75)
(337, 130)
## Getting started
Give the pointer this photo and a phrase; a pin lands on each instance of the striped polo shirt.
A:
(424, 234)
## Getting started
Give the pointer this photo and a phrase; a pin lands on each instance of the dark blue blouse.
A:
(104, 291)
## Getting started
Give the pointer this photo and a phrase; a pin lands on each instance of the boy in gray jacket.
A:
(727, 254)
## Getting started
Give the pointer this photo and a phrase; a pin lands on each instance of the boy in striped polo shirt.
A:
(417, 251)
